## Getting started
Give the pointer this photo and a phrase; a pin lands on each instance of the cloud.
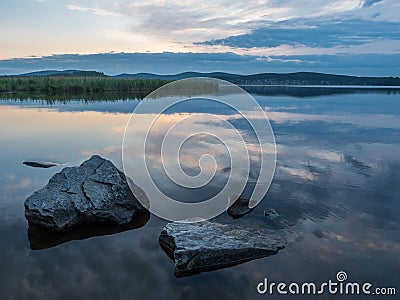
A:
(368, 3)
(356, 37)
(278, 35)
(260, 28)
(170, 63)
(96, 11)
(188, 21)
(324, 34)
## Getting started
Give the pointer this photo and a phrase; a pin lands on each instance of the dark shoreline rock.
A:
(40, 164)
(94, 192)
(207, 246)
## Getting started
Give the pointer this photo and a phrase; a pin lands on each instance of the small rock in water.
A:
(271, 213)
(239, 208)
(318, 233)
(94, 192)
(206, 246)
(40, 164)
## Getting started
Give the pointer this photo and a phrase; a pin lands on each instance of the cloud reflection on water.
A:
(334, 216)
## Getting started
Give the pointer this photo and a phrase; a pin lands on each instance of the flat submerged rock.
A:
(94, 192)
(207, 246)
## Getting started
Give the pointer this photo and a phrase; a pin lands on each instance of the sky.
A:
(355, 37)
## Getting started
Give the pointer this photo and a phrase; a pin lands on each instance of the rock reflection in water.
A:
(43, 239)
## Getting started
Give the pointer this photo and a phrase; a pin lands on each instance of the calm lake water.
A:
(336, 189)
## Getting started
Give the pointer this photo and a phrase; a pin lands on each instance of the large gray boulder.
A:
(94, 192)
(206, 246)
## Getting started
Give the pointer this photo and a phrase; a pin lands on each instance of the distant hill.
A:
(66, 73)
(176, 76)
(299, 78)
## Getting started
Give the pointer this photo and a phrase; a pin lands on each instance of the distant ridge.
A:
(298, 78)
(183, 75)
(68, 73)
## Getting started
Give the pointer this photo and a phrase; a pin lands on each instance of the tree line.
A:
(76, 85)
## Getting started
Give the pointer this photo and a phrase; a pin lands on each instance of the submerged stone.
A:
(271, 213)
(206, 246)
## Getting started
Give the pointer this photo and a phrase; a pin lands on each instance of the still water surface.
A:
(336, 190)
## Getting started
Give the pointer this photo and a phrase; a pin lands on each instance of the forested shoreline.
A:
(76, 85)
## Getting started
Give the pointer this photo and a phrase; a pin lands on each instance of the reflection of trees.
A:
(314, 91)
(53, 98)
(187, 88)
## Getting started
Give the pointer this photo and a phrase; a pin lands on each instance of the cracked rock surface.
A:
(94, 192)
(206, 246)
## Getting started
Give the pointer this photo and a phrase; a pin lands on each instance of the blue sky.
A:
(358, 37)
